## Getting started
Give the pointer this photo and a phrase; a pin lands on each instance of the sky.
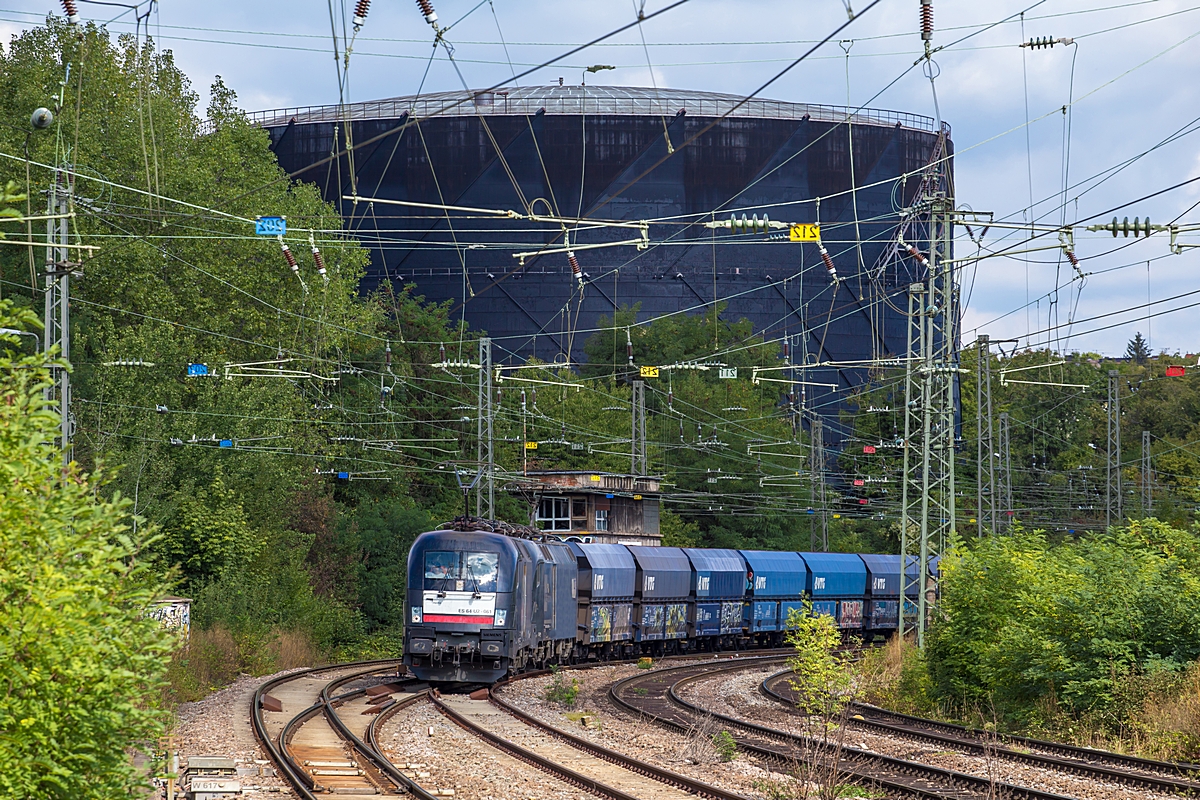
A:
(1080, 132)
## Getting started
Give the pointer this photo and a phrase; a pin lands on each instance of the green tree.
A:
(81, 663)
(1137, 350)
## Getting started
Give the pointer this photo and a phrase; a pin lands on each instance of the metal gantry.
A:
(816, 467)
(1112, 489)
(638, 462)
(58, 304)
(985, 456)
(485, 418)
(928, 498)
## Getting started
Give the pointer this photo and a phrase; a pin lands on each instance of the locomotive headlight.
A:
(416, 615)
(501, 615)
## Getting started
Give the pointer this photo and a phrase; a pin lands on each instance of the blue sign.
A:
(609, 496)
(225, 443)
(343, 476)
(270, 226)
(197, 370)
(810, 511)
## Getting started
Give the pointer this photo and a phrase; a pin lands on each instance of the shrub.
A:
(725, 745)
(561, 690)
(81, 662)
(645, 662)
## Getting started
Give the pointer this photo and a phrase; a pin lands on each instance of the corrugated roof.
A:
(614, 100)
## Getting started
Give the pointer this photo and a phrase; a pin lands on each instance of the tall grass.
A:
(216, 657)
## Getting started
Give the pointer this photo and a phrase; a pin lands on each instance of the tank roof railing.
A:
(626, 102)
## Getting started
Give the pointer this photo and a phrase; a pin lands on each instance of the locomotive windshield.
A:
(476, 571)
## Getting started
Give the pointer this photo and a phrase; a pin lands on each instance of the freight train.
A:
(482, 604)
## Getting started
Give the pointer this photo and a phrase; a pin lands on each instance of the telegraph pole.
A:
(638, 463)
(1004, 474)
(484, 418)
(58, 299)
(927, 499)
(817, 469)
(985, 459)
(1112, 489)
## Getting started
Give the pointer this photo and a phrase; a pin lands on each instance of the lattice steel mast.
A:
(927, 499)
(985, 456)
(1112, 489)
(485, 417)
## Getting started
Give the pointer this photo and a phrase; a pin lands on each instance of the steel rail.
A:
(375, 756)
(528, 756)
(974, 742)
(620, 759)
(284, 763)
(856, 758)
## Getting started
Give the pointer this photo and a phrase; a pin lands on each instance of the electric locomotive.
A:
(481, 604)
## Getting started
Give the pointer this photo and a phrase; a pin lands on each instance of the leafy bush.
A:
(1037, 629)
(561, 690)
(726, 746)
(645, 662)
(81, 663)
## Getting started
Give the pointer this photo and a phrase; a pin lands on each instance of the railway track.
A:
(1099, 764)
(655, 695)
(315, 734)
(571, 758)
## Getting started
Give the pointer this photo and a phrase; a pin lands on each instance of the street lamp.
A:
(15, 332)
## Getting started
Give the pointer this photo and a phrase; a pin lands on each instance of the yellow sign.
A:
(531, 445)
(595, 477)
(649, 372)
(837, 516)
(802, 232)
(637, 497)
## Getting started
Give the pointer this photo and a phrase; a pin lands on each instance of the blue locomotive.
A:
(481, 604)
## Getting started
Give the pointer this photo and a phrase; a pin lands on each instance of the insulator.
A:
(522, 399)
(576, 270)
(534, 397)
(320, 262)
(1045, 41)
(828, 262)
(970, 233)
(1072, 258)
(291, 259)
(926, 20)
(915, 253)
(360, 13)
(442, 353)
(1137, 227)
(427, 9)
(680, 430)
(72, 11)
(671, 399)
(387, 356)
(628, 346)
(787, 348)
